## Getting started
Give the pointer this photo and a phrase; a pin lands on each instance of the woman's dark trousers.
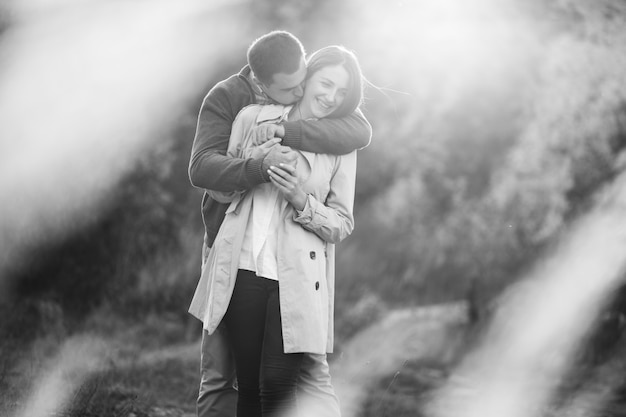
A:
(266, 376)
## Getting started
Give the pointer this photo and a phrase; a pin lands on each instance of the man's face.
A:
(287, 88)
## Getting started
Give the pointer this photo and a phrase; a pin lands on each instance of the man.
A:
(275, 73)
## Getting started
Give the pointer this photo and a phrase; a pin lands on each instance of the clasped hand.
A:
(262, 150)
(279, 162)
(285, 178)
(263, 138)
(266, 131)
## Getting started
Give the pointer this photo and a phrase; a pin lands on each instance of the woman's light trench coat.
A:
(305, 250)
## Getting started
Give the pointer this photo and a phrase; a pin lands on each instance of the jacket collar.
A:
(275, 113)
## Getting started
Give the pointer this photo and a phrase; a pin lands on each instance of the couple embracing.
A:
(275, 152)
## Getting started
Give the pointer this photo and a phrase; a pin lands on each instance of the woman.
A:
(270, 273)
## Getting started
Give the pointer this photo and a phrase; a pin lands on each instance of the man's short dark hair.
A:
(275, 52)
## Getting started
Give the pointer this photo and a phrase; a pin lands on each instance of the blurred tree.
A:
(122, 257)
(463, 188)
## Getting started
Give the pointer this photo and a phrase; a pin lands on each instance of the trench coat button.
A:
(312, 254)
(317, 285)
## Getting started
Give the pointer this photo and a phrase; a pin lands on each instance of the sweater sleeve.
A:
(209, 166)
(332, 136)
(239, 145)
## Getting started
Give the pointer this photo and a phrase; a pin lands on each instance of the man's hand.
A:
(267, 131)
(279, 154)
(262, 150)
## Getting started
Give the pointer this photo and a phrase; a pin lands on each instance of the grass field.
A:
(115, 368)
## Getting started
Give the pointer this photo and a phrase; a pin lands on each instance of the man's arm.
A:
(209, 167)
(333, 136)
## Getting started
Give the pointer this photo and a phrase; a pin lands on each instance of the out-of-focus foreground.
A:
(486, 271)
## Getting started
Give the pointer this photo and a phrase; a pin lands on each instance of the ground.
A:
(121, 369)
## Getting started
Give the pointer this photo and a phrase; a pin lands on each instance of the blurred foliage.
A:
(474, 185)
(405, 393)
(140, 252)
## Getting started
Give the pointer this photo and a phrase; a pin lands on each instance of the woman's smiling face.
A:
(324, 91)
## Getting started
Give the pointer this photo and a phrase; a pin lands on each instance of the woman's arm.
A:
(333, 219)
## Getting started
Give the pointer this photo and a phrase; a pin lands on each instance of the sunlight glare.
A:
(538, 329)
(86, 88)
(445, 46)
(77, 360)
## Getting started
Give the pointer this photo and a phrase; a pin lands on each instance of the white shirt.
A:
(258, 253)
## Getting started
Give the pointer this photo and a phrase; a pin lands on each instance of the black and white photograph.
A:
(312, 208)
